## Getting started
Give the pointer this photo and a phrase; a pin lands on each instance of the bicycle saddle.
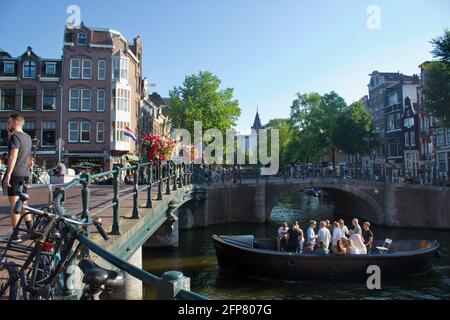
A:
(93, 274)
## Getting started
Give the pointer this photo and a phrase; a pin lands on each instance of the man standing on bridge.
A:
(18, 171)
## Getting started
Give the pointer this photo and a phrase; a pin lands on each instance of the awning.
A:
(88, 155)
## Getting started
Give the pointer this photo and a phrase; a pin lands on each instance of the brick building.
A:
(102, 92)
(31, 85)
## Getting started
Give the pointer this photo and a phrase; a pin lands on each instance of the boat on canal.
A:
(258, 257)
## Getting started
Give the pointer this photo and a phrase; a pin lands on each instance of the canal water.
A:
(196, 258)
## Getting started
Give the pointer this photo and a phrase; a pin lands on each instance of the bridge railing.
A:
(210, 175)
(143, 177)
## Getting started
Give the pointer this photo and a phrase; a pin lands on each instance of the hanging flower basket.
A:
(158, 147)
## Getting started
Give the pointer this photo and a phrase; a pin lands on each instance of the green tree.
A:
(315, 117)
(200, 99)
(354, 131)
(437, 79)
(286, 130)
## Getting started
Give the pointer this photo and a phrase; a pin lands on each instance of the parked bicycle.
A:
(34, 271)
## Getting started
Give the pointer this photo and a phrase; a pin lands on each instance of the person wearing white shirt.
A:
(344, 229)
(281, 237)
(324, 234)
(311, 236)
(337, 234)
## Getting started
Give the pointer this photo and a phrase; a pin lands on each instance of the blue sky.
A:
(268, 50)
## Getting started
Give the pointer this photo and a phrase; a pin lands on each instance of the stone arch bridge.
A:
(379, 202)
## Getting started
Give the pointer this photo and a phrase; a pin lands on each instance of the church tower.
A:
(257, 123)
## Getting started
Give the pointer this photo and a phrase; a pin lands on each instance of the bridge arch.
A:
(374, 212)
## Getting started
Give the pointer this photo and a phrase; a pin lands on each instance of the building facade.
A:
(102, 92)
(30, 84)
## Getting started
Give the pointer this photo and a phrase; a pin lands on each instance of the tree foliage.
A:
(353, 133)
(200, 99)
(437, 79)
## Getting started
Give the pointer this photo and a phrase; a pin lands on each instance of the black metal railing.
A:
(143, 177)
(213, 175)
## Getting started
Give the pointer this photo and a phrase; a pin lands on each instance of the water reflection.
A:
(196, 259)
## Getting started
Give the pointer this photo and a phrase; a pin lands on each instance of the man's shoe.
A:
(16, 239)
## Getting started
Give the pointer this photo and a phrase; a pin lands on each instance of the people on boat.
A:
(301, 239)
(293, 238)
(337, 234)
(357, 228)
(340, 248)
(329, 226)
(281, 237)
(322, 249)
(367, 235)
(351, 248)
(344, 228)
(311, 236)
(324, 234)
(358, 242)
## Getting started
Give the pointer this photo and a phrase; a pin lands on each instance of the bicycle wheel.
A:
(9, 282)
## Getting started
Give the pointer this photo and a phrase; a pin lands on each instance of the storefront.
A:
(98, 162)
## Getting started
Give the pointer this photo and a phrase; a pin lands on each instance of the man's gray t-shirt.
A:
(22, 142)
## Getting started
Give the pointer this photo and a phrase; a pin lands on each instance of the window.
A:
(100, 132)
(120, 69)
(50, 67)
(28, 99)
(29, 127)
(391, 122)
(85, 132)
(101, 70)
(413, 139)
(74, 68)
(74, 104)
(48, 133)
(409, 122)
(101, 100)
(7, 99)
(407, 139)
(74, 131)
(392, 99)
(124, 69)
(116, 69)
(8, 67)
(82, 39)
(3, 133)
(86, 103)
(392, 148)
(441, 161)
(29, 69)
(120, 131)
(49, 100)
(87, 68)
(440, 137)
(121, 99)
(448, 136)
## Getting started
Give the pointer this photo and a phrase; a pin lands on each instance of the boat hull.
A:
(293, 267)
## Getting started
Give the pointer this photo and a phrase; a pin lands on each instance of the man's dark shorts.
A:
(18, 184)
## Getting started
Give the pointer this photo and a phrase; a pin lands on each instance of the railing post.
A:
(175, 175)
(183, 166)
(85, 198)
(180, 178)
(168, 178)
(135, 214)
(149, 203)
(170, 285)
(159, 181)
(116, 208)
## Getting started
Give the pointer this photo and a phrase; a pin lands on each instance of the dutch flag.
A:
(130, 134)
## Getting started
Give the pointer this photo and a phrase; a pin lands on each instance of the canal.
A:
(196, 258)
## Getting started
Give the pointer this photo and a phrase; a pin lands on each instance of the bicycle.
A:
(52, 251)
